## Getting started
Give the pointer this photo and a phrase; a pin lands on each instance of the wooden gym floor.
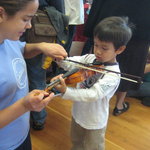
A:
(129, 131)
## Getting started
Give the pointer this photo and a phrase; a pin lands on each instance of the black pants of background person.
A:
(87, 46)
(72, 29)
(132, 61)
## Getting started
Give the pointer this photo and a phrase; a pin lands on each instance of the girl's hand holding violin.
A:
(61, 86)
(36, 100)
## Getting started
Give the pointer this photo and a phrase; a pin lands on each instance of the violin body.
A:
(79, 76)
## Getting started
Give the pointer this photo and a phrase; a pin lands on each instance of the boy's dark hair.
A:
(13, 6)
(114, 29)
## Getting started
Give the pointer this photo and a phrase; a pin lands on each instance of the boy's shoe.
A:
(117, 111)
(37, 125)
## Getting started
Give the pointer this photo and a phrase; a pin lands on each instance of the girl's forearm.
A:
(32, 50)
(11, 113)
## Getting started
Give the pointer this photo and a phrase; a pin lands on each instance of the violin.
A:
(100, 67)
(72, 77)
(79, 75)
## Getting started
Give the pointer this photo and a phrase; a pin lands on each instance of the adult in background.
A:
(143, 93)
(133, 59)
(36, 74)
(74, 9)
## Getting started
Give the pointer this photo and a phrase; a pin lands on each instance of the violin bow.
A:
(90, 67)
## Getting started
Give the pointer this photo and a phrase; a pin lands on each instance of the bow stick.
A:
(88, 67)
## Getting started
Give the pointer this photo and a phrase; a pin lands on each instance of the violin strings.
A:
(125, 78)
(107, 73)
(90, 65)
(84, 67)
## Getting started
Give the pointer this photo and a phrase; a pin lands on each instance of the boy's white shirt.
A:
(91, 105)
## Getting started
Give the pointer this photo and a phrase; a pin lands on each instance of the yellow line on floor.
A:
(58, 113)
(120, 148)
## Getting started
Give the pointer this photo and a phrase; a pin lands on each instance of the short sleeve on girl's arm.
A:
(21, 46)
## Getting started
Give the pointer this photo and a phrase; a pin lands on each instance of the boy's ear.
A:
(2, 14)
(120, 49)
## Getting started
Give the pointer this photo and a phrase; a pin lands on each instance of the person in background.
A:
(133, 59)
(78, 36)
(36, 74)
(143, 93)
(74, 9)
(91, 97)
(15, 101)
(58, 4)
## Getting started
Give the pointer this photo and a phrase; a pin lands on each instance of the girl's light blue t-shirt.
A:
(13, 86)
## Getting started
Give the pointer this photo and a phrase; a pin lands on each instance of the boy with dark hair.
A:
(91, 97)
